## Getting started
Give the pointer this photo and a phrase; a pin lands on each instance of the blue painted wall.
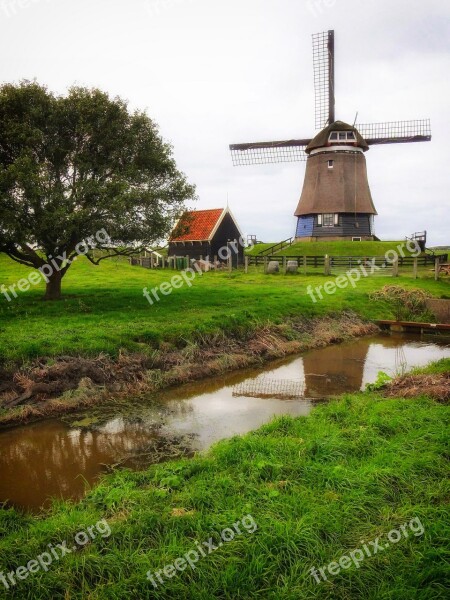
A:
(305, 226)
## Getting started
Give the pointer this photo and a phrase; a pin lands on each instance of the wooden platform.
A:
(413, 327)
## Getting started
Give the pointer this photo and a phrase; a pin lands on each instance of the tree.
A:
(71, 166)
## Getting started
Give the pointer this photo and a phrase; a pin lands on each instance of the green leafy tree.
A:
(73, 165)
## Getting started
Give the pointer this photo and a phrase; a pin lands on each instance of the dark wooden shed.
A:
(207, 234)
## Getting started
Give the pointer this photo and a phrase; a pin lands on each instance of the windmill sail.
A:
(396, 132)
(323, 62)
(261, 153)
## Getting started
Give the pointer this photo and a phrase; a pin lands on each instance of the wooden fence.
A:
(348, 262)
(369, 265)
(327, 265)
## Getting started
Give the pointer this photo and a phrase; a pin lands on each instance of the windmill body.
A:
(336, 202)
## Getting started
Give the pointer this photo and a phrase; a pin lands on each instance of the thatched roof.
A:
(342, 189)
(321, 140)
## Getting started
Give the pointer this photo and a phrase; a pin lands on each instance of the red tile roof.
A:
(196, 225)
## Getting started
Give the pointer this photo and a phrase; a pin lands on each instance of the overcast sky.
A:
(215, 72)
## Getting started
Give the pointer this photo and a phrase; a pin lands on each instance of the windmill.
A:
(335, 202)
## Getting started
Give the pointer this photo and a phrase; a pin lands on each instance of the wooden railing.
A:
(277, 247)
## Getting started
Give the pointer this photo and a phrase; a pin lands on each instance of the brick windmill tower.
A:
(335, 203)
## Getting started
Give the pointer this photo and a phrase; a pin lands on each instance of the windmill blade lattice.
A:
(323, 62)
(268, 152)
(396, 132)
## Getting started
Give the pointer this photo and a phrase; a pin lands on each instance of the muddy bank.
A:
(51, 387)
(435, 386)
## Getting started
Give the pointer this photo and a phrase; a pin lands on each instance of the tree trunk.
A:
(53, 287)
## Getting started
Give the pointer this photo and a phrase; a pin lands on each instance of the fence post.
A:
(284, 264)
(230, 263)
(187, 261)
(436, 269)
(416, 261)
(327, 265)
(265, 264)
(246, 264)
(305, 264)
(395, 268)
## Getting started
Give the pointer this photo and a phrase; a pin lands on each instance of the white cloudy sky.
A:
(215, 72)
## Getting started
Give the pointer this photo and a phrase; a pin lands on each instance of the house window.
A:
(328, 220)
(336, 219)
(330, 164)
(356, 239)
(319, 220)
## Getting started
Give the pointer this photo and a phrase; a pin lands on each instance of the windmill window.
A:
(342, 136)
(330, 164)
(328, 220)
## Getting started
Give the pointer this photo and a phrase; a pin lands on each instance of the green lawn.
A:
(313, 489)
(104, 310)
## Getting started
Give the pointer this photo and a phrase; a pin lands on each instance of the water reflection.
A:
(53, 459)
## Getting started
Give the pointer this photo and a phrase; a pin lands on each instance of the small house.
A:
(212, 234)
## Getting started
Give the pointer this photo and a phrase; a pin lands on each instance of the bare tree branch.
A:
(116, 252)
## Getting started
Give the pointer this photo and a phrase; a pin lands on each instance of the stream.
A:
(64, 457)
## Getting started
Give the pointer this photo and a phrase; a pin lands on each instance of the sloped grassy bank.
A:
(317, 488)
(55, 386)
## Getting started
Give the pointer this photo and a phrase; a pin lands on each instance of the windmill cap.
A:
(322, 139)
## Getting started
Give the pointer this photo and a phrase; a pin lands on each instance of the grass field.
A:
(316, 487)
(335, 248)
(104, 310)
